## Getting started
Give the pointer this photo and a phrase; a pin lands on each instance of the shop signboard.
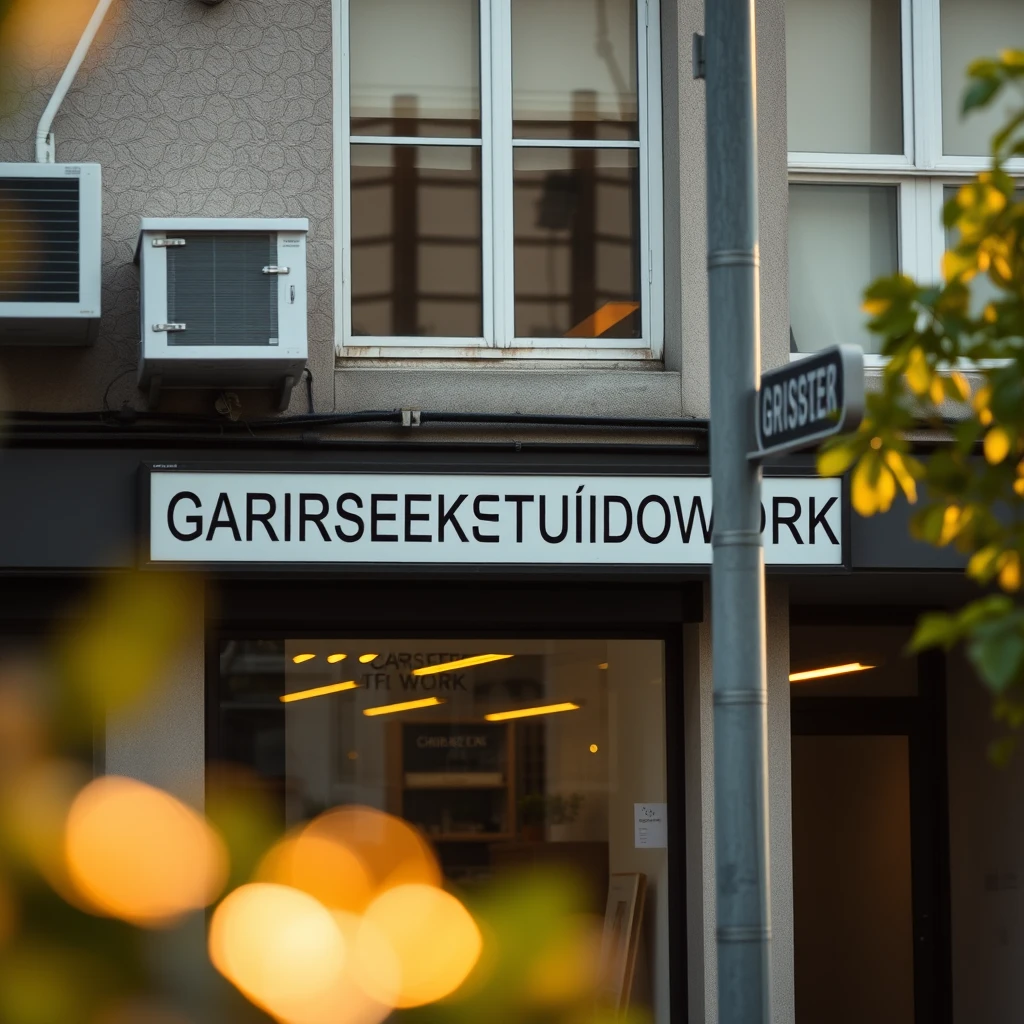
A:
(808, 400)
(229, 517)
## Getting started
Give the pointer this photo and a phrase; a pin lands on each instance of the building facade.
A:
(495, 453)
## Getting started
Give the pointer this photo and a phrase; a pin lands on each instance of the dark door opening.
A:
(870, 846)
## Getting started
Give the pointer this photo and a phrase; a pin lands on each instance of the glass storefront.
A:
(508, 755)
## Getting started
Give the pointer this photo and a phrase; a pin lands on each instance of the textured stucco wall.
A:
(192, 111)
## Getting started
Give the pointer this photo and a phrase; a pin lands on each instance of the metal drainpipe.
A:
(737, 572)
(45, 148)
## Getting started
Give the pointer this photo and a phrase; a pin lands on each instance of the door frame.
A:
(922, 719)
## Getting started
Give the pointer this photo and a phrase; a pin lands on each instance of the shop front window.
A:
(509, 756)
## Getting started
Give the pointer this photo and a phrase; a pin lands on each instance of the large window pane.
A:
(841, 237)
(843, 63)
(416, 241)
(971, 29)
(574, 72)
(415, 67)
(577, 243)
(495, 796)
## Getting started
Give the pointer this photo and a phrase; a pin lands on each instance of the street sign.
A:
(808, 400)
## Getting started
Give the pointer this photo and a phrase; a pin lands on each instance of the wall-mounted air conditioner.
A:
(222, 303)
(50, 236)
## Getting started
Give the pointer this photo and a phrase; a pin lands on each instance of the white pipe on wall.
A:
(45, 149)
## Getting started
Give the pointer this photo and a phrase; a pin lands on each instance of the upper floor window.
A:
(499, 169)
(876, 142)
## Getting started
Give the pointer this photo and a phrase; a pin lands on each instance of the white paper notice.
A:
(650, 826)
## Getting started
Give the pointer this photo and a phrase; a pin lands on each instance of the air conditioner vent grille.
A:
(39, 240)
(217, 288)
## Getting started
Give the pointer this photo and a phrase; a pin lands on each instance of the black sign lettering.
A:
(376, 516)
(485, 517)
(653, 499)
(686, 525)
(778, 519)
(349, 517)
(196, 522)
(305, 516)
(416, 517)
(228, 522)
(252, 516)
(519, 500)
(446, 517)
(554, 538)
(818, 519)
(616, 538)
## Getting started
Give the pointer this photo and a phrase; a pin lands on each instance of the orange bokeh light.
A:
(431, 934)
(390, 850)
(321, 866)
(137, 853)
(43, 35)
(282, 948)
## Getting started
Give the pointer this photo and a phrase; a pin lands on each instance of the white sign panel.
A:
(650, 826)
(462, 519)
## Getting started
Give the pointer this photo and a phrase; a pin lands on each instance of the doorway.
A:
(870, 845)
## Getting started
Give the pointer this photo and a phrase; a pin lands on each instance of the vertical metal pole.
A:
(737, 572)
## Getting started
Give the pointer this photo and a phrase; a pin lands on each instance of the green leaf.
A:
(934, 629)
(997, 652)
(979, 94)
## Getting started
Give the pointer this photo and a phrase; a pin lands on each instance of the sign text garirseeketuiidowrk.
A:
(466, 519)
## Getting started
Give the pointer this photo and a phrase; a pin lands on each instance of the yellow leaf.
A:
(1014, 58)
(918, 373)
(835, 461)
(961, 384)
(1018, 486)
(1002, 267)
(902, 475)
(936, 392)
(862, 487)
(1009, 570)
(956, 266)
(982, 397)
(980, 563)
(885, 490)
(950, 524)
(990, 314)
(993, 201)
(985, 417)
(876, 307)
(996, 445)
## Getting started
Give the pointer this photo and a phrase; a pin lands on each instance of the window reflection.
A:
(574, 71)
(577, 258)
(416, 241)
(415, 67)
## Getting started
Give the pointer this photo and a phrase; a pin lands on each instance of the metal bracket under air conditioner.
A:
(167, 243)
(170, 327)
(277, 270)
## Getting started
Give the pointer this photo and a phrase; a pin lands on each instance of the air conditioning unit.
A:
(50, 237)
(222, 303)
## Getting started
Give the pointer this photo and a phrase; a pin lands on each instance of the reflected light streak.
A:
(546, 709)
(447, 666)
(333, 659)
(830, 670)
(408, 705)
(319, 691)
(365, 659)
(300, 658)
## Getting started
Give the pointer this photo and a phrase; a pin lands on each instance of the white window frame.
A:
(498, 341)
(922, 171)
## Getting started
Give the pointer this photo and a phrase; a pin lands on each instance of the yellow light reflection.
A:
(448, 666)
(830, 670)
(546, 709)
(136, 853)
(407, 705)
(434, 938)
(319, 691)
(280, 947)
(365, 659)
(300, 658)
(593, 748)
(333, 659)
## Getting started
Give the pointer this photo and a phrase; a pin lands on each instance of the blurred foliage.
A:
(972, 482)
